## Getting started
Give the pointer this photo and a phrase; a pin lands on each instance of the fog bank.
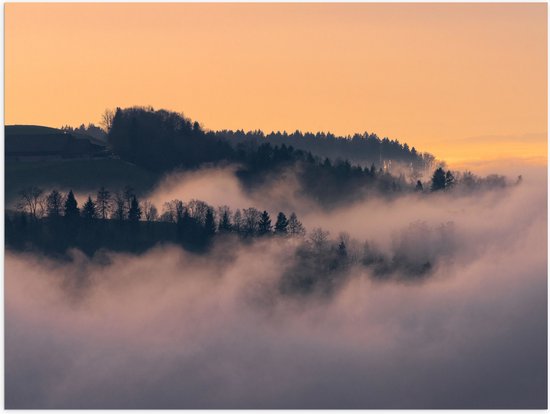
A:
(169, 329)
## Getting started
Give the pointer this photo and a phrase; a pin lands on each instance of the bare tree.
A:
(198, 209)
(31, 201)
(104, 203)
(237, 221)
(295, 227)
(150, 212)
(107, 119)
(54, 204)
(319, 237)
(119, 209)
(172, 211)
(251, 219)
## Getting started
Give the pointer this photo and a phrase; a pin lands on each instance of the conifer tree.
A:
(71, 207)
(264, 225)
(281, 224)
(225, 222)
(134, 213)
(209, 223)
(295, 227)
(438, 180)
(89, 210)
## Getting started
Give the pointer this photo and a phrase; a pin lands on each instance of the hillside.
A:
(42, 141)
(80, 175)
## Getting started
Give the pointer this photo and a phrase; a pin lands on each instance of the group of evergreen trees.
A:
(363, 149)
(141, 135)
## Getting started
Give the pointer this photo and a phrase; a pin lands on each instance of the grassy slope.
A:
(78, 175)
(31, 130)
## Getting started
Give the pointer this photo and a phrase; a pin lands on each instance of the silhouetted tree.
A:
(89, 210)
(237, 221)
(134, 213)
(103, 203)
(72, 212)
(107, 119)
(224, 225)
(319, 238)
(264, 225)
(251, 218)
(128, 195)
(209, 223)
(119, 210)
(150, 212)
(54, 204)
(449, 179)
(438, 180)
(295, 227)
(173, 211)
(281, 224)
(419, 187)
(31, 201)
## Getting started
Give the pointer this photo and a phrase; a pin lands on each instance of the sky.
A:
(466, 82)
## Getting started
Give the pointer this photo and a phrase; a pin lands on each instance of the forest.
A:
(164, 141)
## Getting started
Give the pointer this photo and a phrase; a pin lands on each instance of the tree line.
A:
(54, 222)
(120, 221)
(363, 149)
(162, 141)
(170, 128)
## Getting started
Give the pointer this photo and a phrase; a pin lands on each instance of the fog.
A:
(170, 329)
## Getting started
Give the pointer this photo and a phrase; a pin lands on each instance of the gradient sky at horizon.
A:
(463, 81)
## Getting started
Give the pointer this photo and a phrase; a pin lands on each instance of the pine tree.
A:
(71, 207)
(209, 223)
(281, 224)
(237, 221)
(225, 222)
(295, 227)
(438, 180)
(134, 213)
(449, 179)
(264, 225)
(419, 186)
(89, 210)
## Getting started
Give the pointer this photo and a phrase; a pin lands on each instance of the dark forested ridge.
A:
(162, 141)
(132, 128)
(362, 149)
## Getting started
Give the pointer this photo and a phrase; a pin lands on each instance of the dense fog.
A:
(172, 329)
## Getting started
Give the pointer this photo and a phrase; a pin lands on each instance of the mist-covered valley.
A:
(436, 301)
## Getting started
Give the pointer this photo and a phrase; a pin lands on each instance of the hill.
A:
(34, 142)
(82, 175)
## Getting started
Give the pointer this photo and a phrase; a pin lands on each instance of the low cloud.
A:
(169, 329)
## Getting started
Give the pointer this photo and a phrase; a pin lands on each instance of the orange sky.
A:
(463, 81)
